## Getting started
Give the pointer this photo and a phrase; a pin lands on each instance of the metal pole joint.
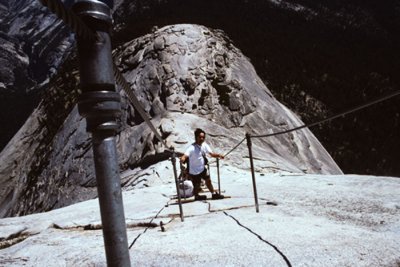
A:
(101, 110)
(99, 102)
(94, 10)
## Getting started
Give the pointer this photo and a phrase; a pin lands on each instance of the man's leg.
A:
(214, 194)
(196, 180)
(196, 184)
(209, 184)
(207, 179)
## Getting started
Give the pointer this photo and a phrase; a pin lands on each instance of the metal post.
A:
(219, 180)
(182, 178)
(173, 160)
(248, 138)
(100, 105)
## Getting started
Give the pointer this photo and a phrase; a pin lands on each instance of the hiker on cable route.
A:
(196, 156)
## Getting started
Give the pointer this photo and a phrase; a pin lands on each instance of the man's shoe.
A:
(200, 197)
(217, 196)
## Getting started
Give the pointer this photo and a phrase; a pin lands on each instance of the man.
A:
(196, 156)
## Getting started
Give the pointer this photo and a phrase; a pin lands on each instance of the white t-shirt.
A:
(196, 160)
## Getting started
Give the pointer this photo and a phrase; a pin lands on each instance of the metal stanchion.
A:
(100, 105)
(248, 138)
(219, 180)
(182, 178)
(173, 159)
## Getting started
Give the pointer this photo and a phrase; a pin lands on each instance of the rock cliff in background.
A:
(33, 44)
(186, 76)
(317, 57)
(191, 69)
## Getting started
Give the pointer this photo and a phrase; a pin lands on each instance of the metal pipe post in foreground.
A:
(248, 138)
(219, 180)
(100, 105)
(173, 160)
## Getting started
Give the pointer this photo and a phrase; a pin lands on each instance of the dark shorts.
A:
(196, 179)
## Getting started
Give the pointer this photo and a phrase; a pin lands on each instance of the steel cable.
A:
(145, 230)
(135, 102)
(381, 99)
(230, 151)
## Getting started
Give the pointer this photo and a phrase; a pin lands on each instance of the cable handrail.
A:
(135, 102)
(376, 101)
(373, 102)
(236, 146)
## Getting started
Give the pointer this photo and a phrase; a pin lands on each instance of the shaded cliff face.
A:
(33, 44)
(186, 76)
(317, 57)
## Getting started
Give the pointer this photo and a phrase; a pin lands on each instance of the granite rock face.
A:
(303, 220)
(35, 151)
(33, 45)
(185, 76)
(191, 69)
